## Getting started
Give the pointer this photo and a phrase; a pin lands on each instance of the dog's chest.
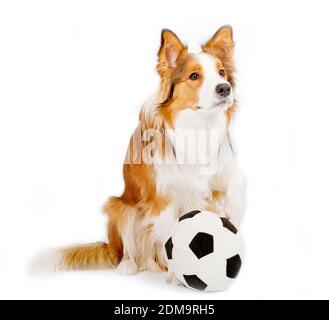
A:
(189, 178)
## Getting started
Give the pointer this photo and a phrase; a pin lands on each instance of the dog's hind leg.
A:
(123, 220)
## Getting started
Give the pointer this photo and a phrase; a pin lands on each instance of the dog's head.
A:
(202, 82)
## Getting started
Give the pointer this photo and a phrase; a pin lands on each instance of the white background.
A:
(73, 74)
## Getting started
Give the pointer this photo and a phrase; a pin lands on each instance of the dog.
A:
(164, 177)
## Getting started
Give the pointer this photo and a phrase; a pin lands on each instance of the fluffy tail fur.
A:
(93, 256)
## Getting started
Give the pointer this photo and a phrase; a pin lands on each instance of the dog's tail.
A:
(93, 256)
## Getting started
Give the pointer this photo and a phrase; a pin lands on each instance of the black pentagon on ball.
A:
(195, 282)
(202, 245)
(228, 225)
(189, 215)
(233, 266)
(169, 248)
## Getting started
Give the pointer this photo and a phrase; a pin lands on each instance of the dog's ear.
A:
(171, 50)
(221, 44)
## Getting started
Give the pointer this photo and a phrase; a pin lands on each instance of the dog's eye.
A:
(194, 76)
(222, 72)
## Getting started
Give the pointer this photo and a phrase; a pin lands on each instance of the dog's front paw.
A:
(172, 279)
(127, 267)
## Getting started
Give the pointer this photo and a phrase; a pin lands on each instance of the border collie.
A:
(179, 159)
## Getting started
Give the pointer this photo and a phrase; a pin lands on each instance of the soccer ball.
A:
(205, 251)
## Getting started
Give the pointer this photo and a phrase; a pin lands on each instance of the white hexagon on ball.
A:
(205, 251)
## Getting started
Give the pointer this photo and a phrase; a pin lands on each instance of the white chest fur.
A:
(196, 140)
(190, 184)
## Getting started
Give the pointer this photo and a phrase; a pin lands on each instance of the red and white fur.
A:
(159, 188)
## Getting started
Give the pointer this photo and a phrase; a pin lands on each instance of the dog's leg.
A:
(172, 279)
(231, 183)
(126, 226)
(235, 198)
(127, 267)
(162, 231)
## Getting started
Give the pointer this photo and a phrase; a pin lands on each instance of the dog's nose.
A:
(223, 89)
